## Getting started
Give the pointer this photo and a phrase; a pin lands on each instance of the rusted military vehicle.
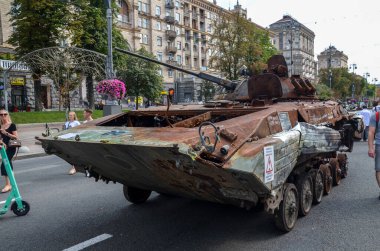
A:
(266, 141)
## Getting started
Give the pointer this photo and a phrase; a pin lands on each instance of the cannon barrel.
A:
(229, 85)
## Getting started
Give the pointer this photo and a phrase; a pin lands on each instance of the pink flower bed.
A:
(113, 87)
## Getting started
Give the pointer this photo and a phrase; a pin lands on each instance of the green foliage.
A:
(236, 42)
(341, 82)
(88, 29)
(37, 24)
(48, 117)
(141, 77)
(208, 90)
(323, 92)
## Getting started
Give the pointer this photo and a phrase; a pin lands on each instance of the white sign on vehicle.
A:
(268, 163)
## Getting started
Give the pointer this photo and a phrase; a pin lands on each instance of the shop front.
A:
(18, 94)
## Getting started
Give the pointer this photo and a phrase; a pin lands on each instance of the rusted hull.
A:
(169, 159)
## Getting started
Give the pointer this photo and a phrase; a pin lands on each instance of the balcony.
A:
(6, 64)
(195, 16)
(170, 20)
(171, 49)
(186, 13)
(172, 62)
(171, 35)
(169, 4)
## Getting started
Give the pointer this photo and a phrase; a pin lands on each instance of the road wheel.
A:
(318, 187)
(286, 215)
(327, 178)
(342, 158)
(136, 195)
(20, 212)
(305, 194)
(335, 171)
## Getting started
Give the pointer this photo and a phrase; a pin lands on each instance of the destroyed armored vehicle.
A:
(269, 141)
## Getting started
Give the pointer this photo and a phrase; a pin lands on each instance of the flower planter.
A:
(111, 109)
(112, 90)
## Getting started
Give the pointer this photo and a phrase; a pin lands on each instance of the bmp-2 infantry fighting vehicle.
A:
(268, 142)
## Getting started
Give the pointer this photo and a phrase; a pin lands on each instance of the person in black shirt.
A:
(8, 131)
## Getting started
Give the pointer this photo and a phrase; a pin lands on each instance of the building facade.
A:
(5, 27)
(175, 31)
(332, 58)
(296, 42)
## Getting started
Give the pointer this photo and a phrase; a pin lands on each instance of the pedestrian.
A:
(8, 131)
(374, 151)
(366, 118)
(87, 115)
(375, 106)
(73, 122)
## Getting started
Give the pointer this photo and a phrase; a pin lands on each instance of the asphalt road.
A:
(71, 210)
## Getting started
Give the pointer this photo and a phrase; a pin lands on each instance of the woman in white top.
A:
(73, 122)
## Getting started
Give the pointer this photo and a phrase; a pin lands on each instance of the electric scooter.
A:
(19, 207)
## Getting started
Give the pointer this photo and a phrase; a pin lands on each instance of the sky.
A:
(351, 26)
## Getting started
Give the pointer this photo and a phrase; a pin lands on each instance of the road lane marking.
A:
(89, 242)
(37, 169)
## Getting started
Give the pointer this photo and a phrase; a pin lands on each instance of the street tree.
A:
(36, 24)
(88, 29)
(341, 82)
(236, 41)
(141, 77)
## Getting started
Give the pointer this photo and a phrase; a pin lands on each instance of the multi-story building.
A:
(332, 58)
(176, 31)
(296, 42)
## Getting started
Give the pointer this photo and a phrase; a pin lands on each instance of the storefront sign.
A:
(17, 81)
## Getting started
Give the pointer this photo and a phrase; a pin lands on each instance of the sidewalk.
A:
(30, 146)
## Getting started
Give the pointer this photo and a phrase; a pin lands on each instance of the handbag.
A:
(14, 143)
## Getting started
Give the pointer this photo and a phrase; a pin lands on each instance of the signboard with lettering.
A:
(17, 81)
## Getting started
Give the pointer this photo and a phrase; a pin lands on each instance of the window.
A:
(170, 73)
(178, 31)
(170, 56)
(177, 4)
(143, 39)
(209, 29)
(139, 22)
(177, 17)
(158, 25)
(158, 10)
(159, 56)
(168, 13)
(179, 59)
(145, 23)
(159, 41)
(160, 72)
(179, 45)
(142, 6)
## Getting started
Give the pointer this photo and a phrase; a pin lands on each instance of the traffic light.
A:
(171, 94)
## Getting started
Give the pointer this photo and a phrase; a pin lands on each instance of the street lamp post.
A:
(353, 67)
(329, 65)
(366, 75)
(109, 67)
(292, 27)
